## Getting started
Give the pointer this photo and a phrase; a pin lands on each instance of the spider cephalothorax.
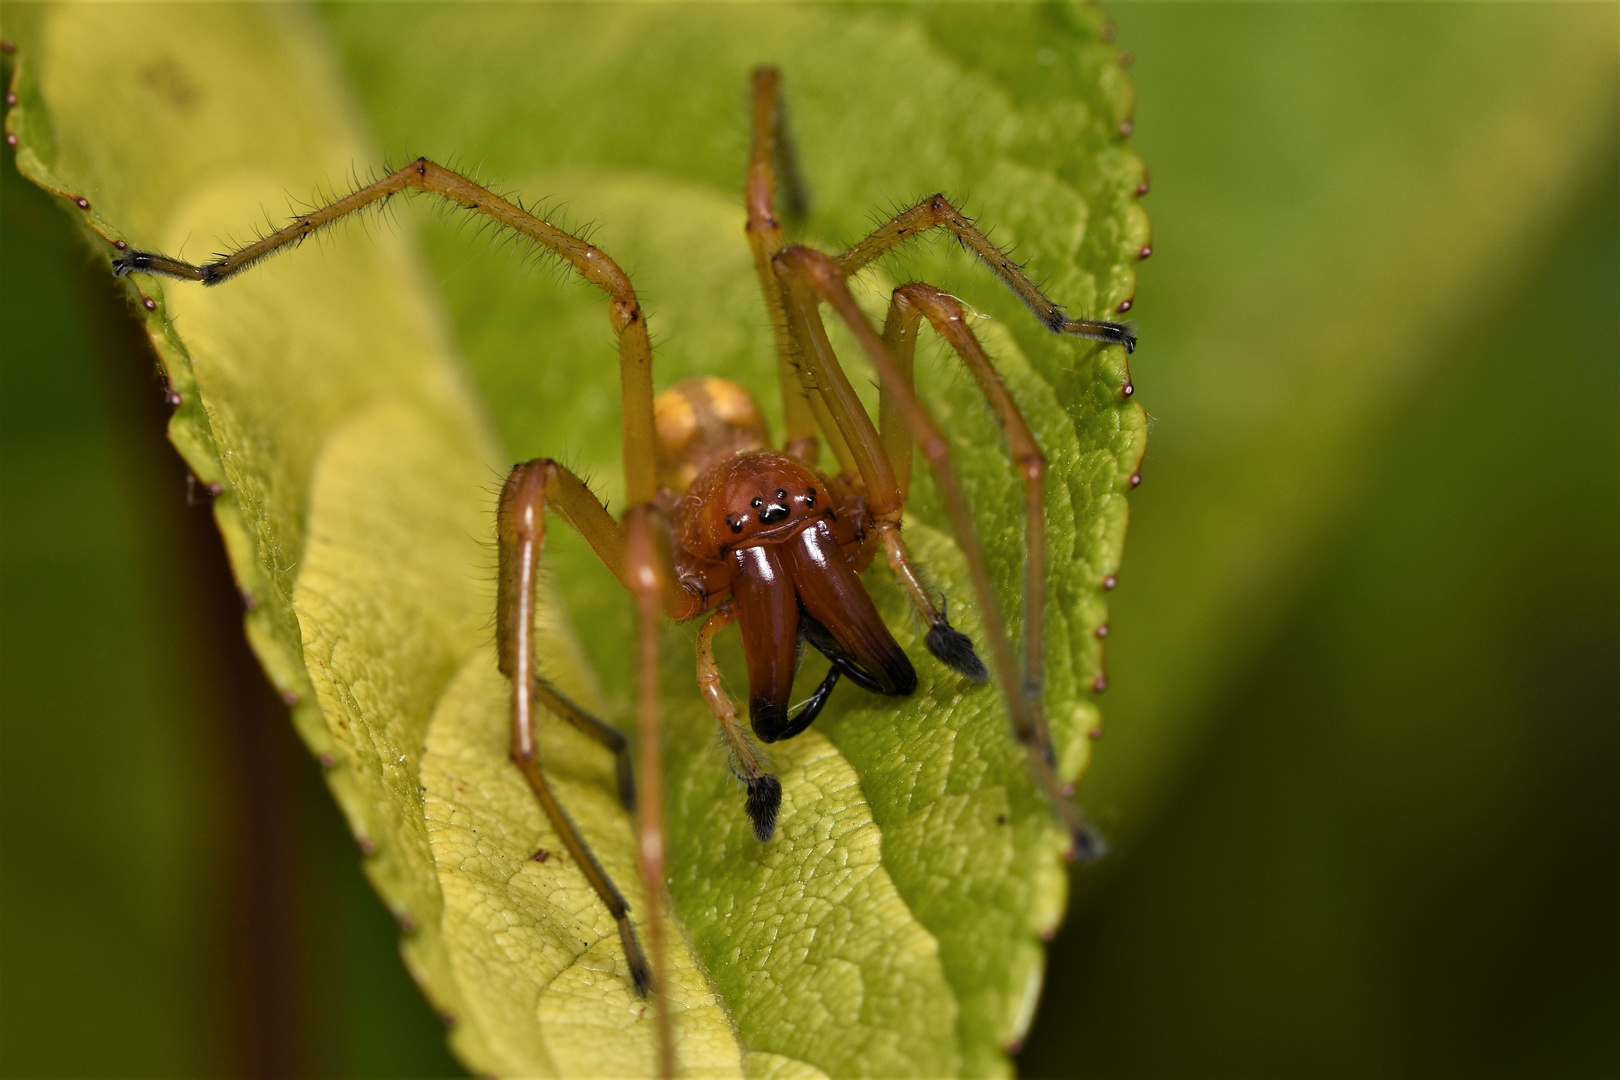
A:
(758, 536)
(787, 543)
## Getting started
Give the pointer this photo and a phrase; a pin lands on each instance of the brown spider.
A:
(720, 524)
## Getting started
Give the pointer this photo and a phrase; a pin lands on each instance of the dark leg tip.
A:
(129, 262)
(764, 803)
(1121, 334)
(1088, 846)
(954, 649)
(1110, 332)
(635, 959)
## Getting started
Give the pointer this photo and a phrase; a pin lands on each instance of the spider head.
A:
(746, 499)
(701, 422)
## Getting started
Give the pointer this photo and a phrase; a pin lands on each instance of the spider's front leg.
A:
(937, 212)
(908, 306)
(590, 262)
(522, 518)
(811, 278)
(817, 394)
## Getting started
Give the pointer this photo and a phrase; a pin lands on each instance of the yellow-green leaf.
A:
(893, 925)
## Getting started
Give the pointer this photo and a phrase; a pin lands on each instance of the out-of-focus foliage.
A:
(168, 849)
(1397, 855)
(1362, 725)
(1363, 697)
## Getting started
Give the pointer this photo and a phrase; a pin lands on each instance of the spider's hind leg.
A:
(596, 730)
(521, 533)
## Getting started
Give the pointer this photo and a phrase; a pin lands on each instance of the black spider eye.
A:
(758, 501)
(811, 493)
(781, 494)
(736, 526)
(810, 497)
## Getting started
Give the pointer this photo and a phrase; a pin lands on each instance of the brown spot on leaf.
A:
(166, 78)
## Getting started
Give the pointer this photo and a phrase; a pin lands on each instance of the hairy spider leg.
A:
(936, 211)
(821, 369)
(802, 409)
(647, 588)
(624, 310)
(808, 368)
(821, 373)
(908, 306)
(811, 277)
(521, 534)
(792, 290)
(900, 338)
(951, 646)
(943, 640)
(597, 730)
(521, 524)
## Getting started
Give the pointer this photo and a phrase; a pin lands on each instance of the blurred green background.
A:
(1365, 718)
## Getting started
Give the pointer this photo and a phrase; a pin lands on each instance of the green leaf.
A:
(893, 925)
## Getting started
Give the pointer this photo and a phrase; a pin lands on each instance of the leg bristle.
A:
(954, 649)
(764, 803)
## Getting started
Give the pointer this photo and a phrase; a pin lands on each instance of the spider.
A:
(720, 526)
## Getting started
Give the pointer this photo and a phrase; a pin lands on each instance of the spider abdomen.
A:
(699, 423)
